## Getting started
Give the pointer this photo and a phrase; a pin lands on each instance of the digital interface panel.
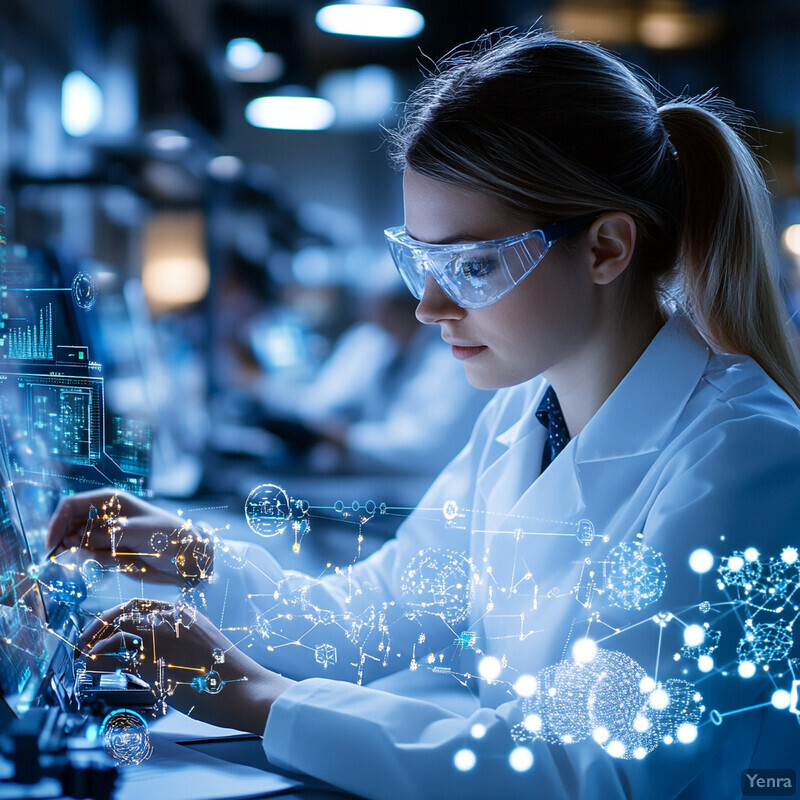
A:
(58, 436)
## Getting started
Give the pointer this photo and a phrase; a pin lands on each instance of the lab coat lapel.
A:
(629, 431)
(601, 467)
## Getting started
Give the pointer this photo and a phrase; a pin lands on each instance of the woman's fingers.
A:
(133, 617)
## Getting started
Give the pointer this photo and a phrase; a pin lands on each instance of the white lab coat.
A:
(693, 449)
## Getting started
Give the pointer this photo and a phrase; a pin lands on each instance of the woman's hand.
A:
(126, 534)
(188, 662)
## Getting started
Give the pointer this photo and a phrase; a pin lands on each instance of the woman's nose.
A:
(435, 305)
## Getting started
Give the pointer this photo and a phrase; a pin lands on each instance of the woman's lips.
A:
(463, 353)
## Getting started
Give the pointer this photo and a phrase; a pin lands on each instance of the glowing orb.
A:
(464, 760)
(126, 737)
(701, 560)
(267, 510)
(635, 575)
(438, 583)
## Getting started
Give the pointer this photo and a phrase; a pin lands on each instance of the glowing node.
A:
(520, 759)
(641, 723)
(533, 723)
(84, 291)
(125, 737)
(210, 683)
(747, 669)
(789, 555)
(325, 654)
(92, 571)
(659, 699)
(464, 760)
(686, 733)
(705, 663)
(159, 541)
(781, 699)
(635, 575)
(615, 749)
(693, 635)
(525, 685)
(489, 668)
(639, 753)
(646, 685)
(701, 560)
(438, 582)
(478, 731)
(450, 510)
(267, 510)
(600, 735)
(751, 554)
(584, 650)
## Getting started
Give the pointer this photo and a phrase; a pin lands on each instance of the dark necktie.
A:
(549, 414)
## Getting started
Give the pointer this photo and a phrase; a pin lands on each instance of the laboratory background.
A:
(195, 193)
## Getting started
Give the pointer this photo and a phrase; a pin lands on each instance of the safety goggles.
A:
(475, 274)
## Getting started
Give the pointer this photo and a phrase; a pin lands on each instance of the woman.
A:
(592, 591)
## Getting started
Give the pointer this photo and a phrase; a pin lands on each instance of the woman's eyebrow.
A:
(457, 238)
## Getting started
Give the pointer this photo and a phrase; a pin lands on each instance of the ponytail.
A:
(727, 247)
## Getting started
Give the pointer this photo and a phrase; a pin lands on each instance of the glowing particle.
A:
(789, 555)
(641, 723)
(525, 685)
(478, 731)
(520, 759)
(600, 735)
(635, 575)
(693, 635)
(781, 699)
(735, 563)
(659, 699)
(267, 510)
(747, 669)
(705, 663)
(464, 760)
(751, 554)
(615, 749)
(489, 668)
(533, 723)
(647, 684)
(701, 560)
(686, 733)
(639, 752)
(584, 650)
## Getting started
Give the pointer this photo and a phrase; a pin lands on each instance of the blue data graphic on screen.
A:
(56, 432)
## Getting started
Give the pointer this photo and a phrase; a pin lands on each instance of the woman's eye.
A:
(474, 267)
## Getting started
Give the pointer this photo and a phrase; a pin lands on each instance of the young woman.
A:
(596, 597)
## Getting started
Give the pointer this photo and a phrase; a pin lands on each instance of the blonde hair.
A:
(554, 129)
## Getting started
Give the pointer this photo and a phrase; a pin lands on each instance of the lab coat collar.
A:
(641, 412)
(643, 408)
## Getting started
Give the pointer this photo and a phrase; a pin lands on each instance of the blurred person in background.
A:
(375, 401)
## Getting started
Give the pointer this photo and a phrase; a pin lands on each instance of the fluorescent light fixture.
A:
(243, 53)
(363, 19)
(81, 104)
(290, 113)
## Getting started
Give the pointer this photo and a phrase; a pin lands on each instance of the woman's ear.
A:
(611, 238)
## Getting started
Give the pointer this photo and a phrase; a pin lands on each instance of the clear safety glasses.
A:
(475, 274)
